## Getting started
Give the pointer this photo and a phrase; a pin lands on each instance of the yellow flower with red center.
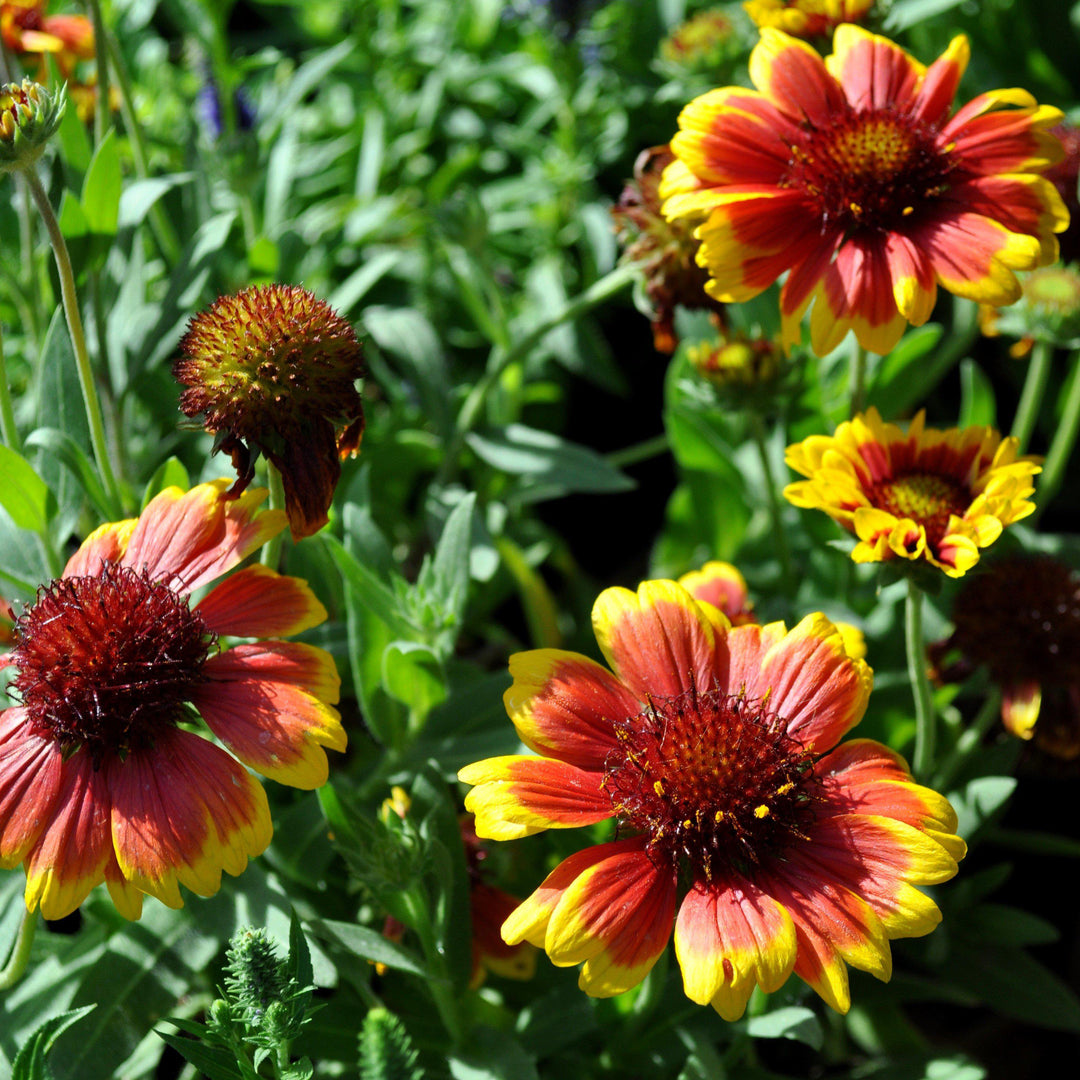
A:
(807, 18)
(273, 370)
(927, 494)
(100, 777)
(742, 825)
(849, 175)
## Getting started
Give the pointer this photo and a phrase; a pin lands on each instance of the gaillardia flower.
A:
(928, 494)
(740, 821)
(723, 586)
(101, 776)
(27, 30)
(807, 18)
(1021, 618)
(274, 369)
(848, 174)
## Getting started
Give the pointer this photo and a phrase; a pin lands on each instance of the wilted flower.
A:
(100, 777)
(667, 249)
(1021, 619)
(714, 748)
(928, 494)
(848, 174)
(274, 370)
(29, 117)
(807, 18)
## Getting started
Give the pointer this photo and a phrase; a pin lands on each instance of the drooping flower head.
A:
(807, 18)
(1021, 618)
(740, 821)
(273, 369)
(849, 174)
(666, 248)
(29, 117)
(928, 494)
(101, 778)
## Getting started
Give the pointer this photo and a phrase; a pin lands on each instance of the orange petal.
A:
(942, 79)
(260, 602)
(182, 812)
(794, 78)
(563, 704)
(874, 71)
(106, 544)
(30, 768)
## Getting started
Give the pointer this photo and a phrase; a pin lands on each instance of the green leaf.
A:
(370, 591)
(1005, 925)
(977, 405)
(904, 376)
(73, 221)
(552, 465)
(102, 186)
(413, 675)
(368, 944)
(23, 494)
(793, 1022)
(70, 454)
(492, 1055)
(385, 1050)
(138, 197)
(30, 1063)
(74, 141)
(979, 800)
(451, 565)
(213, 1062)
(170, 473)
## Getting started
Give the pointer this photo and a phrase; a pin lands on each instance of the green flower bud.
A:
(29, 117)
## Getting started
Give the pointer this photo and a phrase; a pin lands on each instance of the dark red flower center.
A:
(868, 171)
(928, 499)
(105, 663)
(713, 780)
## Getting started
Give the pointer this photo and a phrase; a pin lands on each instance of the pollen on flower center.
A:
(107, 662)
(867, 170)
(927, 498)
(713, 780)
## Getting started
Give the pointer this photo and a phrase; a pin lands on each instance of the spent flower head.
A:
(273, 370)
(29, 117)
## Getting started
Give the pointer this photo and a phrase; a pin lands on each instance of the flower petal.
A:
(517, 795)
(730, 938)
(658, 641)
(260, 602)
(30, 770)
(268, 703)
(72, 850)
(1020, 707)
(563, 704)
(874, 71)
(187, 539)
(942, 79)
(794, 78)
(106, 544)
(617, 917)
(182, 812)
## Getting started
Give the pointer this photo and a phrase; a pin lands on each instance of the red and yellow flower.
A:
(723, 586)
(102, 777)
(849, 175)
(27, 30)
(807, 18)
(742, 825)
(927, 494)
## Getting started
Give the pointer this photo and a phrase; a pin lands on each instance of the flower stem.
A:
(1061, 448)
(969, 741)
(101, 110)
(446, 1001)
(858, 381)
(8, 428)
(271, 552)
(78, 342)
(20, 953)
(776, 510)
(642, 451)
(925, 720)
(1027, 412)
(596, 294)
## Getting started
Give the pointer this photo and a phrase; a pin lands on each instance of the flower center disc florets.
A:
(107, 662)
(926, 498)
(713, 780)
(867, 171)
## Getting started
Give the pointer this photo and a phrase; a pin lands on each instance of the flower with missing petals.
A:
(1021, 619)
(935, 495)
(101, 776)
(273, 370)
(29, 117)
(848, 174)
(741, 824)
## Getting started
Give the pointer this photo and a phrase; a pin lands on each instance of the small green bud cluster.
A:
(29, 117)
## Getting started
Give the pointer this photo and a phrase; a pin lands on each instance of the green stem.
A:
(858, 381)
(271, 552)
(925, 720)
(445, 1000)
(78, 342)
(102, 112)
(969, 741)
(500, 360)
(1027, 412)
(776, 510)
(1061, 448)
(8, 428)
(20, 953)
(642, 451)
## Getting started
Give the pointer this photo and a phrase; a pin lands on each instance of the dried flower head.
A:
(273, 370)
(666, 249)
(29, 117)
